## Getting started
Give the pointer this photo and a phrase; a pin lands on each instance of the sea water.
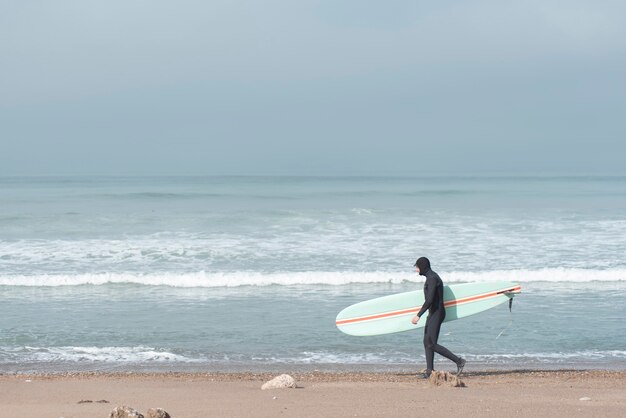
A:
(248, 273)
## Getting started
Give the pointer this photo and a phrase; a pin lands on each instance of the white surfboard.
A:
(393, 313)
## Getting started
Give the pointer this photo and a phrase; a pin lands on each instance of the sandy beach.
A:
(488, 394)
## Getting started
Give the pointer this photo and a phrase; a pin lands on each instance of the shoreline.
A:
(244, 368)
(313, 376)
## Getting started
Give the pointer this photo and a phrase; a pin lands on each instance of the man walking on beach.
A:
(433, 302)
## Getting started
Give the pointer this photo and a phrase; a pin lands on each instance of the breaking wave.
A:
(235, 279)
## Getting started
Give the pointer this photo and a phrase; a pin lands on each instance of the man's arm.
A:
(431, 284)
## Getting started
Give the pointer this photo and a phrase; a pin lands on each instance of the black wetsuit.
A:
(433, 302)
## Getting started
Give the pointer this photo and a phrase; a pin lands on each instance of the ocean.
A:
(248, 273)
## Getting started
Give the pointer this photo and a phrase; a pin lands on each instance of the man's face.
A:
(417, 269)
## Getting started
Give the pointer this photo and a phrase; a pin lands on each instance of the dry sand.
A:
(488, 394)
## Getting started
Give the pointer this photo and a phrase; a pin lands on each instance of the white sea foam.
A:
(567, 275)
(234, 279)
(329, 357)
(143, 355)
(316, 241)
(553, 356)
(137, 354)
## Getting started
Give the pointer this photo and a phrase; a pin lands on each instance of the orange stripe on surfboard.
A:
(454, 302)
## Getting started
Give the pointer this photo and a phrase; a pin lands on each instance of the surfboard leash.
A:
(505, 328)
(510, 320)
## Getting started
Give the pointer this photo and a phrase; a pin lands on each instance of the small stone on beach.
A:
(280, 382)
(125, 412)
(157, 413)
(585, 399)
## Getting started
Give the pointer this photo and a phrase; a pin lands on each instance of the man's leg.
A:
(428, 344)
(435, 326)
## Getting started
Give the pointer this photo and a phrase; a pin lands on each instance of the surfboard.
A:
(393, 313)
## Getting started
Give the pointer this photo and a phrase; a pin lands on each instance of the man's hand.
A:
(415, 320)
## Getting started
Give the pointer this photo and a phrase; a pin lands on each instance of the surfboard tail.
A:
(510, 293)
(516, 290)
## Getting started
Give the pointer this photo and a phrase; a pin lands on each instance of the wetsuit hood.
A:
(424, 265)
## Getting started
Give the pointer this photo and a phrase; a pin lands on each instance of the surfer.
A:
(433, 302)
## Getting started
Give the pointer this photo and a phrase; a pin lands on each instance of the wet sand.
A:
(488, 394)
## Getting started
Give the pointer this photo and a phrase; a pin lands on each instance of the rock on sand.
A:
(128, 412)
(280, 382)
(157, 413)
(438, 378)
(125, 412)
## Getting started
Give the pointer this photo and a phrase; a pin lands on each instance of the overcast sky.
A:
(312, 87)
